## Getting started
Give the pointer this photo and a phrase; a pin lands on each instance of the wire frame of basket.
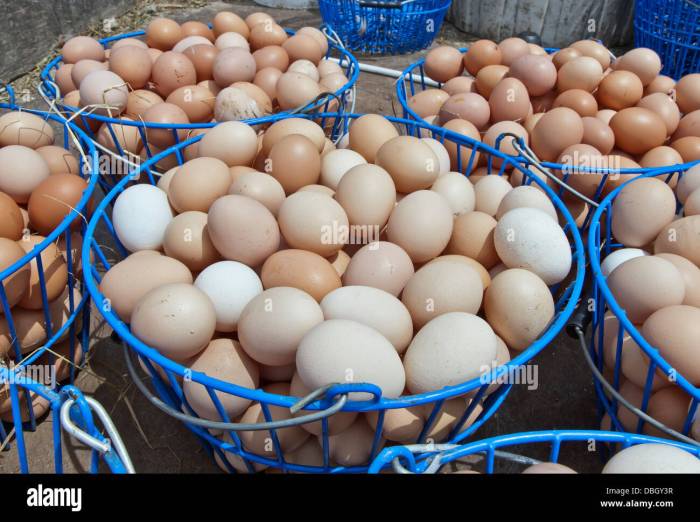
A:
(224, 435)
(492, 451)
(65, 320)
(608, 376)
(120, 162)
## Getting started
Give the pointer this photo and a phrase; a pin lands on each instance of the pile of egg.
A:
(39, 184)
(656, 280)
(280, 261)
(577, 106)
(189, 73)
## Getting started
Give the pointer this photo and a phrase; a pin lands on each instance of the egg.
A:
(664, 286)
(53, 199)
(15, 285)
(194, 28)
(225, 21)
(526, 196)
(451, 349)
(296, 90)
(488, 77)
(126, 282)
(593, 49)
(480, 54)
(105, 90)
(164, 113)
(271, 56)
(26, 129)
(197, 102)
(411, 163)
(509, 101)
(132, 64)
(336, 163)
(273, 324)
(620, 89)
(287, 126)
(459, 84)
(330, 349)
(11, 220)
(467, 106)
(55, 274)
(617, 257)
(317, 35)
(680, 237)
(688, 148)
(457, 190)
(547, 467)
(556, 130)
(243, 229)
(233, 64)
(421, 223)
(597, 134)
(187, 240)
(202, 56)
(583, 102)
(354, 446)
(266, 78)
(664, 107)
(643, 62)
(662, 84)
(302, 46)
(638, 130)
(139, 101)
(442, 287)
(367, 194)
(140, 216)
(511, 49)
(688, 126)
(82, 48)
(368, 133)
(528, 238)
(163, 33)
(687, 96)
(222, 359)
(473, 237)
(489, 192)
(261, 187)
(231, 39)
(580, 73)
(128, 137)
(565, 55)
(300, 269)
(652, 458)
(294, 161)
(537, 73)
(84, 67)
(443, 63)
(669, 406)
(22, 170)
(198, 183)
(380, 264)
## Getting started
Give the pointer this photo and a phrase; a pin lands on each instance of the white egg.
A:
(457, 190)
(451, 349)
(231, 286)
(653, 458)
(490, 191)
(616, 258)
(336, 163)
(231, 39)
(140, 216)
(527, 196)
(441, 153)
(528, 238)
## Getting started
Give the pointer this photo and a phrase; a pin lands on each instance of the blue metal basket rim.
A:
(347, 55)
(405, 401)
(615, 308)
(445, 5)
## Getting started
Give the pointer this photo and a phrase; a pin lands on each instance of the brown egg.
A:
(509, 101)
(202, 57)
(287, 126)
(59, 160)
(226, 21)
(24, 128)
(173, 70)
(459, 85)
(82, 48)
(55, 198)
(130, 279)
(669, 406)
(21, 171)
(644, 63)
(543, 103)
(673, 330)
(443, 63)
(258, 17)
(421, 224)
(84, 67)
(256, 93)
(11, 220)
(313, 221)
(632, 223)
(411, 163)
(187, 240)
(294, 161)
(688, 148)
(380, 265)
(531, 121)
(565, 55)
(154, 53)
(194, 28)
(163, 34)
(300, 269)
(582, 155)
(302, 46)
(687, 96)
(489, 191)
(271, 56)
(164, 113)
(133, 64)
(619, 89)
(506, 144)
(267, 79)
(55, 273)
(688, 126)
(480, 54)
(447, 286)
(594, 50)
(511, 49)
(662, 156)
(198, 183)
(473, 237)
(368, 133)
(638, 130)
(519, 307)
(488, 78)
(538, 73)
(691, 277)
(681, 237)
(296, 90)
(232, 142)
(243, 229)
(267, 35)
(662, 84)
(428, 102)
(333, 82)
(605, 115)
(597, 134)
(140, 101)
(556, 130)
(367, 194)
(664, 107)
(127, 42)
(460, 156)
(17, 284)
(580, 73)
(63, 78)
(197, 102)
(467, 106)
(261, 187)
(583, 102)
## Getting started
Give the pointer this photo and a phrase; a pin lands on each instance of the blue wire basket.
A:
(322, 403)
(608, 378)
(90, 122)
(672, 29)
(385, 26)
(73, 330)
(424, 459)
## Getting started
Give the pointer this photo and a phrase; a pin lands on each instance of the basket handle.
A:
(381, 5)
(339, 402)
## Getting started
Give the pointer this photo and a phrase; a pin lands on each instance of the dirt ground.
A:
(159, 444)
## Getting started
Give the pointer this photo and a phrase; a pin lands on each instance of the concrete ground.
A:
(159, 444)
